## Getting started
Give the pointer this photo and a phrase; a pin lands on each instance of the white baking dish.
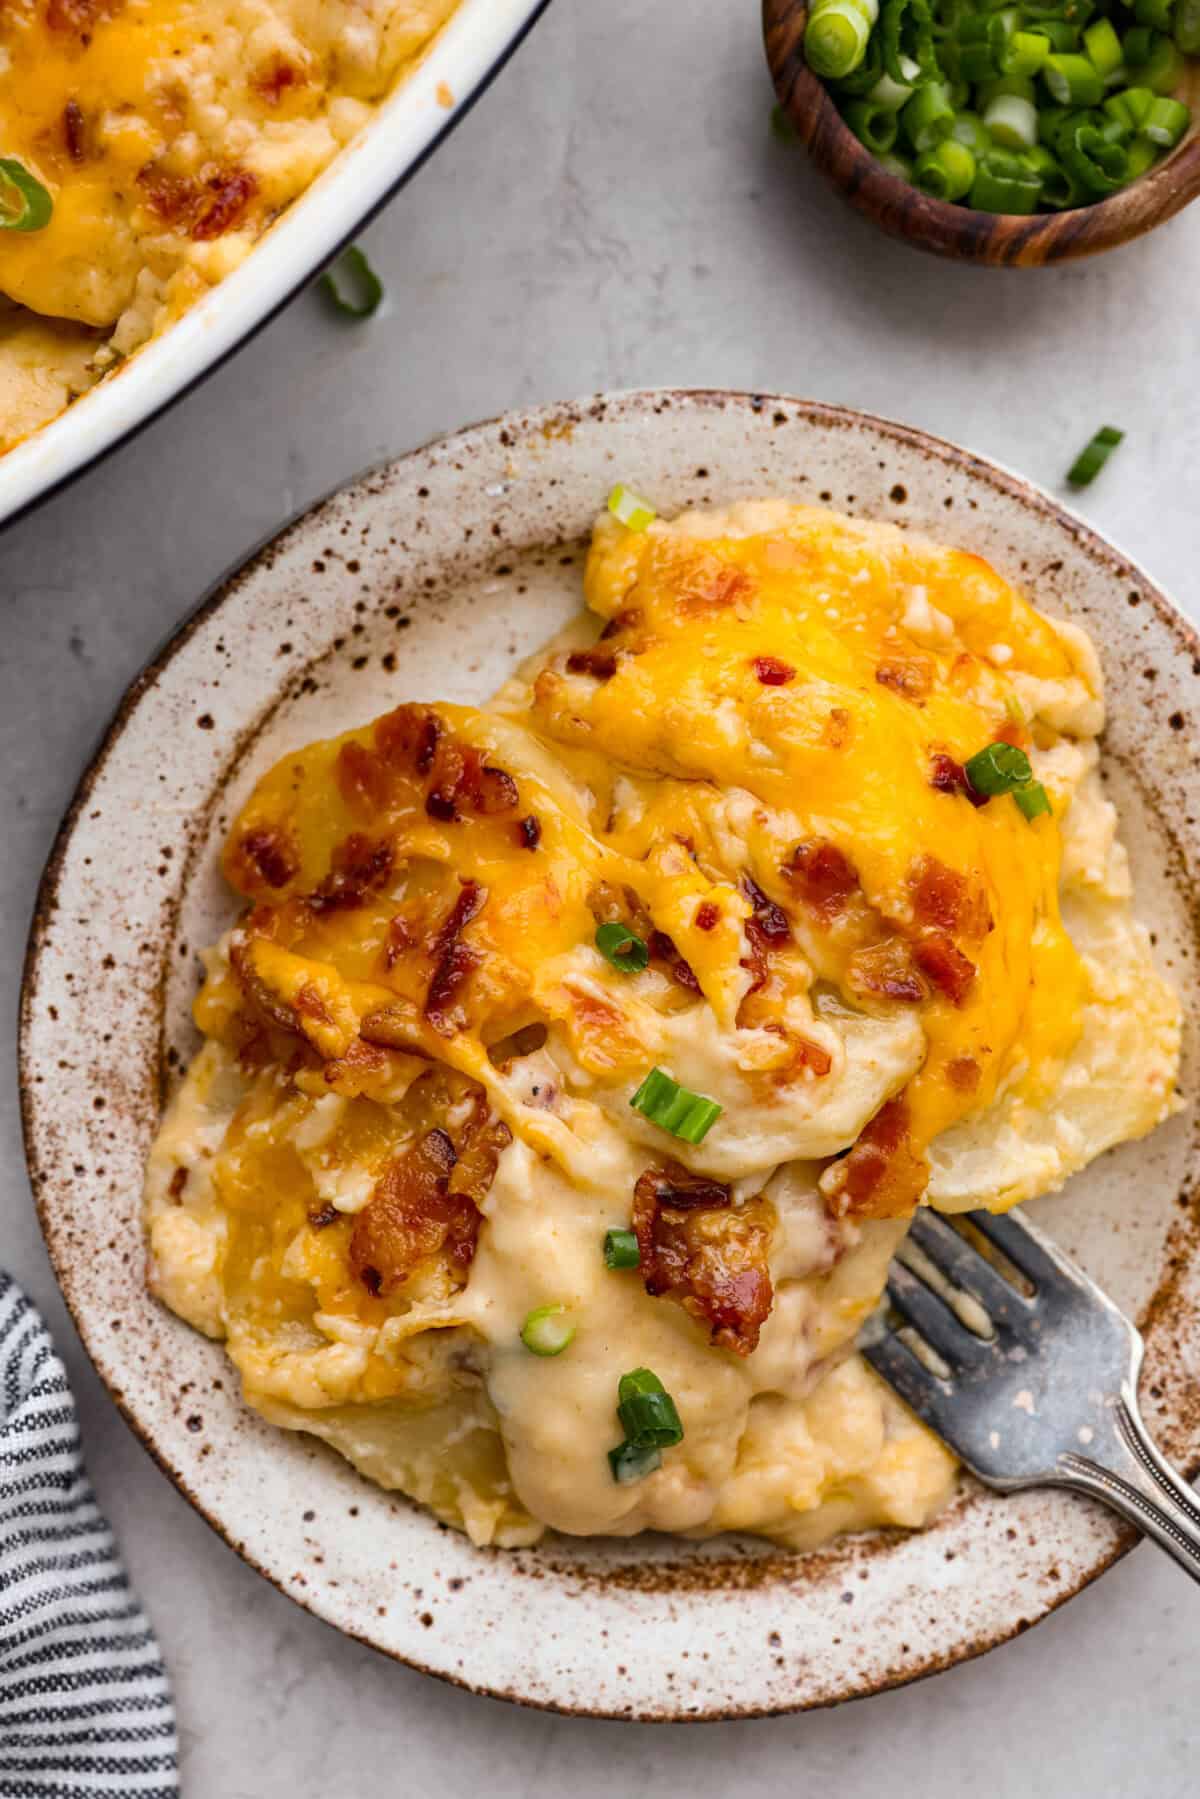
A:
(473, 46)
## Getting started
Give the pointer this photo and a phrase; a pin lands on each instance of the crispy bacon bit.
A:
(771, 671)
(710, 585)
(455, 960)
(529, 832)
(885, 970)
(362, 779)
(398, 940)
(323, 1216)
(766, 928)
(704, 1253)
(839, 728)
(911, 678)
(963, 1073)
(358, 865)
(600, 664)
(461, 779)
(481, 1143)
(708, 915)
(949, 776)
(412, 1215)
(883, 1176)
(273, 80)
(824, 878)
(176, 1185)
(407, 737)
(805, 1055)
(229, 193)
(73, 131)
(945, 965)
(939, 894)
(271, 855)
(361, 1059)
(628, 619)
(662, 949)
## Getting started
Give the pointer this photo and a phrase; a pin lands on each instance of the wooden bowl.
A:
(999, 238)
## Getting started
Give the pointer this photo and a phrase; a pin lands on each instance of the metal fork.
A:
(1028, 1372)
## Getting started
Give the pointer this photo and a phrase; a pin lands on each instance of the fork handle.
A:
(1129, 1475)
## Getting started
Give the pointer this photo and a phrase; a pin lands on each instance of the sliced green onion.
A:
(1050, 121)
(1155, 13)
(1129, 107)
(630, 509)
(906, 31)
(1021, 85)
(1142, 155)
(1165, 122)
(945, 172)
(1099, 167)
(1061, 33)
(547, 1331)
(352, 284)
(1033, 800)
(1103, 46)
(621, 1250)
(1073, 80)
(1163, 69)
(622, 948)
(899, 166)
(892, 94)
(970, 131)
(1025, 53)
(874, 126)
(689, 1116)
(1002, 184)
(1059, 189)
(1000, 768)
(25, 205)
(647, 1411)
(1012, 122)
(1187, 27)
(1138, 45)
(1092, 458)
(629, 1463)
(862, 79)
(835, 38)
(929, 117)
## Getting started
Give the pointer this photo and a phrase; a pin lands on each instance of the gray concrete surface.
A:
(614, 213)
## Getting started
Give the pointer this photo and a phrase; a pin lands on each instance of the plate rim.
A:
(524, 420)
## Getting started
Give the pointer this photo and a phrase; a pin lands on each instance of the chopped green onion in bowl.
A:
(352, 285)
(621, 1249)
(548, 1330)
(1092, 458)
(688, 1116)
(622, 948)
(1049, 104)
(25, 205)
(629, 508)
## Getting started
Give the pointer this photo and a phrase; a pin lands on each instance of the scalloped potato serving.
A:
(578, 1061)
(146, 145)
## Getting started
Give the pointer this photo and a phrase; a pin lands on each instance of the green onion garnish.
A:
(630, 509)
(1033, 800)
(363, 290)
(1091, 460)
(622, 948)
(664, 1102)
(629, 1463)
(621, 1250)
(647, 1411)
(1000, 768)
(25, 205)
(547, 1331)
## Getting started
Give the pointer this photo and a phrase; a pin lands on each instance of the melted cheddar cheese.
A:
(169, 134)
(411, 1125)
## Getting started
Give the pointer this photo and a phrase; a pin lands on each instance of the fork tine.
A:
(933, 1318)
(1015, 1239)
(965, 1267)
(925, 1392)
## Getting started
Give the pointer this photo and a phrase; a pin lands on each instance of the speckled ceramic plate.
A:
(429, 579)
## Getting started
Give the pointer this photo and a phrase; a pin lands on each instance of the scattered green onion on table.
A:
(1092, 458)
(352, 285)
(1022, 108)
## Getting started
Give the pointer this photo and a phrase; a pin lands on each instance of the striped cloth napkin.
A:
(85, 1703)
